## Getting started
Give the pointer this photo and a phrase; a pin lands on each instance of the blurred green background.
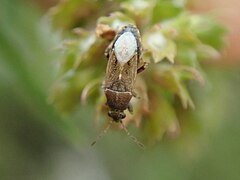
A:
(37, 143)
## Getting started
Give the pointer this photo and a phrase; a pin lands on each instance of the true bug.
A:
(124, 62)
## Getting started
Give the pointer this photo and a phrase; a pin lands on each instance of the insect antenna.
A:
(102, 133)
(134, 139)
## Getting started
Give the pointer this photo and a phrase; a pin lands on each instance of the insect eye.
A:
(109, 113)
(106, 54)
(123, 115)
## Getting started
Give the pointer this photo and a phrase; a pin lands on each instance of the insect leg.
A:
(135, 95)
(142, 68)
(102, 133)
(134, 139)
(130, 108)
(108, 50)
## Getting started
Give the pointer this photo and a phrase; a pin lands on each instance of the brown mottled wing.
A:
(128, 72)
(112, 71)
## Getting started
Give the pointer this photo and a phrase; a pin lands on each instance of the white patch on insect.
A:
(125, 47)
(120, 76)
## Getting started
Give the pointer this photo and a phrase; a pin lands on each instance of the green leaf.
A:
(208, 30)
(66, 92)
(162, 119)
(172, 79)
(139, 10)
(159, 45)
(63, 14)
(189, 73)
(167, 9)
(137, 7)
(206, 52)
(73, 13)
(181, 24)
(116, 20)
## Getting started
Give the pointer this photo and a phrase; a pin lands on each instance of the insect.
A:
(124, 62)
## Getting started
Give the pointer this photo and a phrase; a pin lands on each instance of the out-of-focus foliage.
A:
(26, 119)
(169, 32)
(37, 143)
